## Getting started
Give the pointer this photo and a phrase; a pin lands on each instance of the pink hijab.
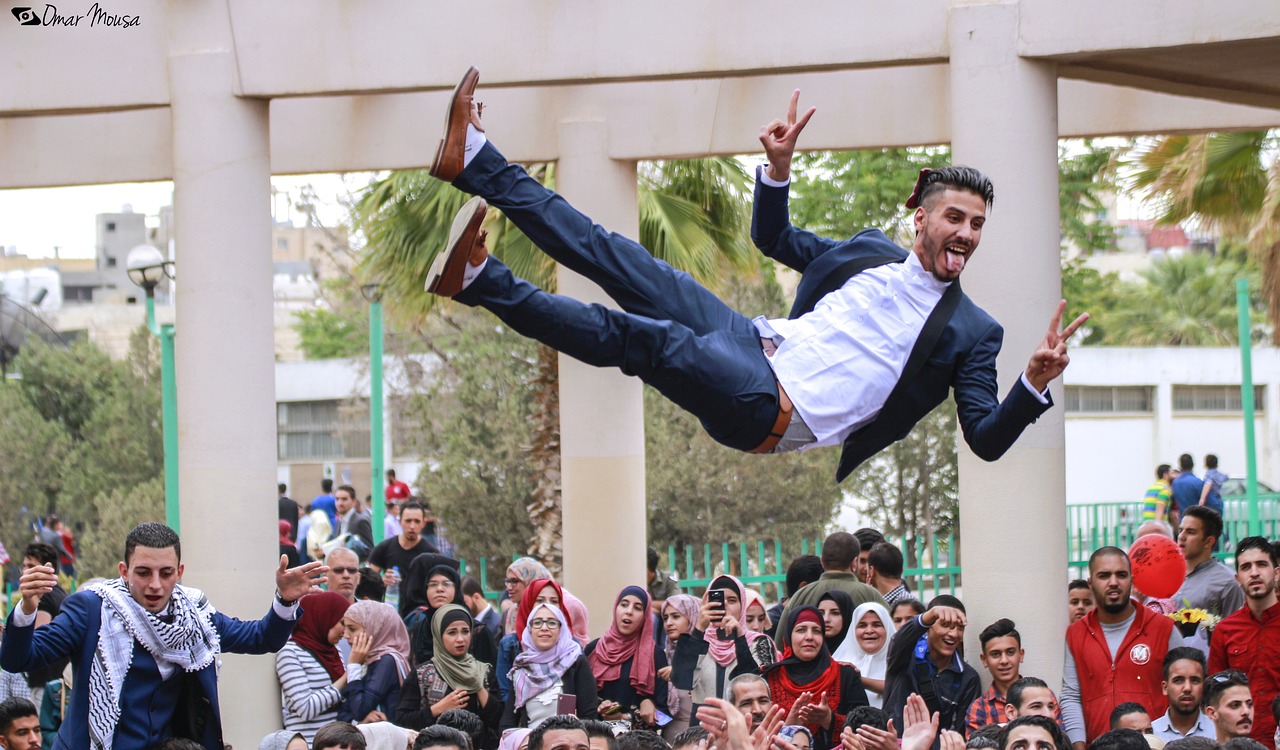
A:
(578, 613)
(723, 650)
(386, 631)
(615, 649)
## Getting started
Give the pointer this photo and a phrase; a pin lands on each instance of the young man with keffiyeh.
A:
(145, 647)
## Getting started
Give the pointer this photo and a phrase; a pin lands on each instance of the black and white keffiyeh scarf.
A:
(190, 642)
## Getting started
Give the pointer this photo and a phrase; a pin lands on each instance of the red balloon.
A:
(1158, 566)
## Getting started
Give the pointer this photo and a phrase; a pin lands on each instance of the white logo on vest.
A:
(1140, 654)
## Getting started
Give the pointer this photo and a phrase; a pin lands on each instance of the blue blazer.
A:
(146, 710)
(963, 358)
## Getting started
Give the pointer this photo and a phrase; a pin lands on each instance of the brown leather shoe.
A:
(449, 155)
(466, 245)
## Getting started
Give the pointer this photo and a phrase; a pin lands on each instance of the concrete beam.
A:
(1048, 28)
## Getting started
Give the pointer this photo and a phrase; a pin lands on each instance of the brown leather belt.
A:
(784, 409)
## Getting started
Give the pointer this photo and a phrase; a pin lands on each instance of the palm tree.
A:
(693, 215)
(1227, 182)
(1180, 304)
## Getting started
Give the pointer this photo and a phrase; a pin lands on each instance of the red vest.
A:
(1136, 675)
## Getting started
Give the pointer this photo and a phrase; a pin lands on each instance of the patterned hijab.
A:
(722, 650)
(536, 670)
(615, 649)
(527, 570)
(386, 633)
(320, 612)
(461, 672)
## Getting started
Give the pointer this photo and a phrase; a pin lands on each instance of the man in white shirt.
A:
(1184, 669)
(877, 338)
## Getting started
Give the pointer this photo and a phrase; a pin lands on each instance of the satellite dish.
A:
(17, 322)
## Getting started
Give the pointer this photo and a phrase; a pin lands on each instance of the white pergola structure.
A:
(218, 95)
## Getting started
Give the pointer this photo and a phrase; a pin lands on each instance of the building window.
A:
(282, 243)
(111, 261)
(1093, 399)
(1214, 398)
(322, 430)
(111, 226)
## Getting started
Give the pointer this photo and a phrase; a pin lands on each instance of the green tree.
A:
(118, 510)
(1182, 301)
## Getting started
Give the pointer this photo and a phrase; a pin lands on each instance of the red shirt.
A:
(1252, 645)
(398, 490)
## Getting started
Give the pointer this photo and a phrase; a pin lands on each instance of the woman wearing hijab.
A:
(310, 667)
(679, 613)
(867, 648)
(442, 585)
(550, 665)
(284, 739)
(287, 547)
(756, 615)
(799, 736)
(515, 739)
(836, 608)
(451, 678)
(718, 648)
(377, 666)
(814, 689)
(521, 573)
(537, 591)
(626, 660)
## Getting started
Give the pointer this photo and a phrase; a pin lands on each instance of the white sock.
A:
(470, 272)
(475, 140)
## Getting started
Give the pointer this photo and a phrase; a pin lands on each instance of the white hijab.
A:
(850, 651)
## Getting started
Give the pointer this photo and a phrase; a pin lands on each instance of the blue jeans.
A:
(671, 332)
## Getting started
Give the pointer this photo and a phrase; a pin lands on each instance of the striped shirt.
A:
(1155, 504)
(309, 699)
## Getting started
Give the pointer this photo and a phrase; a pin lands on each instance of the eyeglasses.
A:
(345, 571)
(544, 624)
(512, 581)
(440, 585)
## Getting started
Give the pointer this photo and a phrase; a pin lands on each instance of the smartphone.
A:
(661, 719)
(610, 711)
(716, 596)
(567, 705)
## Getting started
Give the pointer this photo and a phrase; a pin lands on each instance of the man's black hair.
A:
(1255, 542)
(350, 491)
(339, 734)
(412, 505)
(1192, 743)
(151, 536)
(560, 721)
(391, 473)
(689, 738)
(651, 559)
(281, 488)
(946, 600)
(839, 550)
(642, 739)
(465, 723)
(1019, 686)
(370, 586)
(596, 728)
(868, 537)
(1243, 743)
(1060, 740)
(1161, 470)
(43, 552)
(16, 708)
(866, 716)
(1210, 461)
(1120, 739)
(986, 738)
(957, 177)
(1077, 583)
(1106, 552)
(803, 570)
(1209, 518)
(442, 734)
(1184, 652)
(886, 558)
(471, 586)
(999, 629)
(1123, 710)
(1219, 682)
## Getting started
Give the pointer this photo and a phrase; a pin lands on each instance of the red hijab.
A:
(615, 649)
(285, 528)
(530, 597)
(320, 612)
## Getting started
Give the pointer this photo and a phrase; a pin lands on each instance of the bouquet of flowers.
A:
(1189, 619)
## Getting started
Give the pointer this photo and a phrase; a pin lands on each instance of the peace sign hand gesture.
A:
(1050, 357)
(779, 139)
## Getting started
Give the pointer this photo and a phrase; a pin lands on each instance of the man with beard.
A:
(1229, 704)
(1249, 639)
(399, 551)
(1113, 654)
(749, 693)
(1184, 688)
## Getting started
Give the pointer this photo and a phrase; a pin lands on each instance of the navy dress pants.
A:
(672, 333)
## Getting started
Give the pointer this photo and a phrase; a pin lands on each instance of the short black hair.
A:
(1161, 470)
(946, 600)
(1077, 583)
(1210, 461)
(1255, 542)
(16, 708)
(642, 739)
(465, 723)
(552, 723)
(915, 604)
(350, 491)
(43, 552)
(1192, 743)
(1186, 462)
(689, 737)
(1123, 710)
(651, 559)
(986, 738)
(1184, 652)
(370, 586)
(326, 485)
(471, 586)
(391, 473)
(839, 550)
(868, 537)
(1106, 552)
(886, 558)
(1210, 518)
(1243, 743)
(1020, 686)
(281, 488)
(339, 734)
(957, 177)
(803, 570)
(1060, 740)
(597, 728)
(411, 505)
(999, 629)
(442, 734)
(1120, 739)
(1219, 682)
(867, 716)
(152, 536)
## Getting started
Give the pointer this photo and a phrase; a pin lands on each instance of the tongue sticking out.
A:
(954, 262)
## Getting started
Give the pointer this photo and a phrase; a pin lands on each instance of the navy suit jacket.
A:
(963, 358)
(74, 634)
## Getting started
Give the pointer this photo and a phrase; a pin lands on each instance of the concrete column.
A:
(1004, 122)
(225, 349)
(601, 411)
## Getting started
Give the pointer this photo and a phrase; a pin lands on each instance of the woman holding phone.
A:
(719, 647)
(551, 674)
(626, 661)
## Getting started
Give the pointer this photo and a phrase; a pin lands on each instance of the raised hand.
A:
(295, 583)
(918, 727)
(793, 716)
(34, 584)
(360, 643)
(726, 725)
(951, 740)
(762, 736)
(779, 139)
(817, 713)
(849, 740)
(1050, 357)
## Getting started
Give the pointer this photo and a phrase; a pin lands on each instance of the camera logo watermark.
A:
(26, 16)
(96, 16)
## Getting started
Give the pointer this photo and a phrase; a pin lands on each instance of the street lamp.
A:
(147, 267)
(373, 293)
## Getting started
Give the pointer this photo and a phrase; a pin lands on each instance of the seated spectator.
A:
(1079, 599)
(867, 647)
(642, 739)
(955, 684)
(679, 613)
(749, 693)
(693, 738)
(310, 668)
(465, 722)
(1130, 715)
(599, 735)
(370, 586)
(551, 664)
(285, 739)
(1031, 696)
(451, 679)
(806, 673)
(377, 667)
(904, 610)
(718, 648)
(1032, 732)
(441, 736)
(802, 571)
(626, 660)
(540, 591)
(755, 617)
(339, 735)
